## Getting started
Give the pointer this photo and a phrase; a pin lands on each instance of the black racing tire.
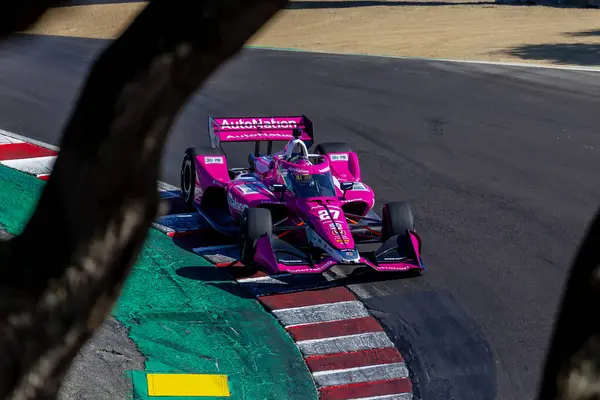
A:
(188, 171)
(397, 218)
(188, 176)
(333, 147)
(255, 222)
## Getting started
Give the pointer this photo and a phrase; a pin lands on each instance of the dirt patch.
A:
(101, 21)
(467, 30)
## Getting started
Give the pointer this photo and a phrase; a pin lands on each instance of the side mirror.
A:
(277, 188)
(346, 186)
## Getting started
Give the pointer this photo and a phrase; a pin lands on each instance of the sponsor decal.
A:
(246, 178)
(213, 160)
(290, 261)
(329, 263)
(340, 233)
(234, 204)
(258, 135)
(247, 189)
(299, 171)
(335, 225)
(323, 170)
(339, 157)
(394, 258)
(255, 187)
(360, 187)
(258, 123)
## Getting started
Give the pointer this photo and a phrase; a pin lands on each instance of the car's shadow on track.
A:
(220, 277)
(366, 274)
(223, 278)
(217, 277)
(218, 249)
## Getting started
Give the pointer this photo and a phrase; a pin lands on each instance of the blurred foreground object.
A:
(572, 370)
(19, 15)
(60, 278)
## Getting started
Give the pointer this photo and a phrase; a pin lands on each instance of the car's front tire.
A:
(333, 147)
(255, 222)
(188, 176)
(397, 217)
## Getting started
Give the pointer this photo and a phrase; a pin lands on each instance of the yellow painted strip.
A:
(187, 385)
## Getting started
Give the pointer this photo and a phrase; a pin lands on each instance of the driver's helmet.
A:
(303, 178)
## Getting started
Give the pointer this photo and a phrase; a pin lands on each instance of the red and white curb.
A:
(25, 156)
(37, 159)
(346, 350)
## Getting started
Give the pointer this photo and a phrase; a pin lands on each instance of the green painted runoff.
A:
(186, 315)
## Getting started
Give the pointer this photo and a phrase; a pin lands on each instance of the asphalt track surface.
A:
(500, 163)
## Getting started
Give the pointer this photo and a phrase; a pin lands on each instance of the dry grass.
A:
(450, 29)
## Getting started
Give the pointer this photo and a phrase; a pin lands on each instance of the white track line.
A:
(321, 313)
(167, 194)
(344, 344)
(8, 140)
(509, 64)
(28, 140)
(165, 187)
(282, 283)
(446, 60)
(506, 64)
(273, 279)
(259, 290)
(400, 396)
(381, 372)
(34, 166)
(10, 137)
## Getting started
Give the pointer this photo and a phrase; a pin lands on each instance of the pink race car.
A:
(291, 210)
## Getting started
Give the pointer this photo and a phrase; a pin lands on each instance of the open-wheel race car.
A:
(294, 211)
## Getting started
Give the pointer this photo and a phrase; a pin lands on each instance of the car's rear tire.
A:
(333, 147)
(397, 218)
(255, 222)
(188, 176)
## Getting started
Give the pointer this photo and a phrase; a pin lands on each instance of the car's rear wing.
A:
(258, 129)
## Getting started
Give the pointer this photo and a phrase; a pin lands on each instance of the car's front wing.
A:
(398, 253)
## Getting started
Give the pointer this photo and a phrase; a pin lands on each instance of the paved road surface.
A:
(501, 165)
